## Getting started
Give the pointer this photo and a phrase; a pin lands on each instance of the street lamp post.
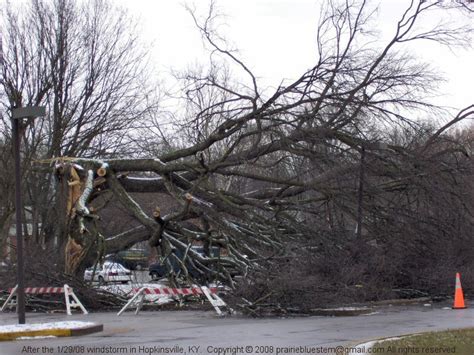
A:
(17, 115)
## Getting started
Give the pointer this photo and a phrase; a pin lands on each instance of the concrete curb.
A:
(367, 308)
(341, 312)
(59, 332)
(402, 302)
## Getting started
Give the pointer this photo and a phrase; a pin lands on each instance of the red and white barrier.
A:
(170, 291)
(140, 293)
(68, 294)
(40, 290)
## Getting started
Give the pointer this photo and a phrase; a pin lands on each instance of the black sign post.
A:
(17, 115)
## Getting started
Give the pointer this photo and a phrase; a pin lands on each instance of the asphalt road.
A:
(190, 332)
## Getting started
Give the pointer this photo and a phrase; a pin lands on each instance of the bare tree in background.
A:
(85, 63)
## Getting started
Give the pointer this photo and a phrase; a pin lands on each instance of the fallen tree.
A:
(317, 165)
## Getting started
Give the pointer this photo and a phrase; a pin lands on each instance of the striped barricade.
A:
(39, 290)
(140, 294)
(70, 297)
(171, 291)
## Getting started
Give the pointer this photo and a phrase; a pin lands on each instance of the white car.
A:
(109, 271)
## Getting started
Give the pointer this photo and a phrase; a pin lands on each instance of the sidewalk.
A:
(48, 329)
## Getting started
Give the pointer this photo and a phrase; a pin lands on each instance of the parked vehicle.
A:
(162, 269)
(133, 259)
(109, 271)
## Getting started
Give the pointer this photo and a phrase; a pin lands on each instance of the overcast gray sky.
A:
(276, 38)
